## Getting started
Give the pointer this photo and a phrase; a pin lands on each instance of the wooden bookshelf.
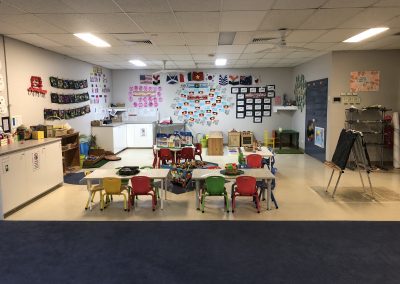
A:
(70, 151)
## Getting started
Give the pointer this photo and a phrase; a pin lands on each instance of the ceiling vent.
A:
(140, 42)
(262, 39)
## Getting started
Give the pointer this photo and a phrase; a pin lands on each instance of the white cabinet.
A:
(119, 138)
(26, 174)
(140, 135)
(110, 138)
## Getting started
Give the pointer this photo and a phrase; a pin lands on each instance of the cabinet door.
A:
(123, 137)
(143, 135)
(35, 171)
(13, 182)
(130, 135)
(52, 165)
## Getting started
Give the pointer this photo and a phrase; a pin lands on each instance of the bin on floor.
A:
(204, 142)
(84, 148)
(81, 159)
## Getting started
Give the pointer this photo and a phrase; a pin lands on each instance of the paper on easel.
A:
(396, 141)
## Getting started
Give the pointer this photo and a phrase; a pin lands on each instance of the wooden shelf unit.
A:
(71, 155)
(233, 139)
(215, 144)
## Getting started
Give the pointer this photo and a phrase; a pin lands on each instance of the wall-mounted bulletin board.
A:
(254, 102)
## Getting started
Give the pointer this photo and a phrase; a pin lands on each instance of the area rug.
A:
(199, 252)
(357, 194)
(97, 165)
(288, 151)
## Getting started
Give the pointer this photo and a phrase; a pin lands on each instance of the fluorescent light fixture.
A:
(366, 34)
(220, 61)
(138, 63)
(92, 39)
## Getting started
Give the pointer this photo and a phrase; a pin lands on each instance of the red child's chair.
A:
(154, 158)
(198, 150)
(245, 186)
(141, 185)
(186, 154)
(254, 161)
(165, 155)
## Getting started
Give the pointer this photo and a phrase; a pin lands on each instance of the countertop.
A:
(124, 122)
(18, 146)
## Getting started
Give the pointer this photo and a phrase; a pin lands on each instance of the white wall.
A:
(343, 62)
(318, 68)
(281, 77)
(24, 61)
(3, 87)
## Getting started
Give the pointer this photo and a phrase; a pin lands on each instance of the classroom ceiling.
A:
(186, 32)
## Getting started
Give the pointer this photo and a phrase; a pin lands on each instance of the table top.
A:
(257, 173)
(151, 173)
(264, 152)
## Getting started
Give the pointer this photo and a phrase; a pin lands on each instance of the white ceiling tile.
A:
(113, 23)
(92, 6)
(198, 21)
(84, 50)
(255, 48)
(130, 36)
(180, 57)
(30, 23)
(41, 6)
(329, 18)
(157, 57)
(6, 8)
(341, 46)
(174, 49)
(250, 5)
(203, 57)
(289, 19)
(195, 5)
(143, 6)
(73, 23)
(388, 3)
(275, 55)
(251, 55)
(134, 50)
(201, 38)
(246, 61)
(241, 20)
(301, 54)
(348, 4)
(319, 45)
(156, 22)
(229, 56)
(231, 48)
(200, 49)
(243, 37)
(35, 40)
(304, 35)
(10, 29)
(371, 17)
(167, 39)
(185, 65)
(394, 23)
(338, 35)
(303, 4)
(71, 40)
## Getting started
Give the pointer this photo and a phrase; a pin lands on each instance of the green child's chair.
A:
(214, 186)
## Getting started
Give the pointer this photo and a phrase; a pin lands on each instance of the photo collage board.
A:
(255, 102)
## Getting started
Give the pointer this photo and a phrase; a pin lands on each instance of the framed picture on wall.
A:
(240, 102)
(249, 113)
(267, 106)
(235, 90)
(243, 90)
(267, 100)
(253, 90)
(258, 113)
(257, 119)
(240, 108)
(257, 101)
(261, 89)
(5, 122)
(240, 115)
(258, 107)
(271, 94)
(249, 101)
(249, 107)
(266, 113)
(270, 87)
(240, 96)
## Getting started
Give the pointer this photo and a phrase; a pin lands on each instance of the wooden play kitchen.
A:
(233, 138)
(215, 143)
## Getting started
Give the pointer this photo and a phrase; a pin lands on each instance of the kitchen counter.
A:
(115, 124)
(18, 146)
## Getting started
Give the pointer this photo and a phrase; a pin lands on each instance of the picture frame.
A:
(267, 100)
(5, 123)
(271, 94)
(261, 89)
(258, 107)
(249, 113)
(257, 119)
(253, 90)
(267, 107)
(249, 101)
(271, 88)
(240, 96)
(240, 115)
(257, 101)
(240, 102)
(240, 108)
(266, 113)
(258, 113)
(243, 90)
(249, 107)
(234, 90)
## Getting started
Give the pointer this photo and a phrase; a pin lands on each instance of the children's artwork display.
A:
(143, 96)
(69, 99)
(252, 102)
(319, 137)
(300, 89)
(68, 84)
(36, 86)
(51, 114)
(364, 81)
(201, 103)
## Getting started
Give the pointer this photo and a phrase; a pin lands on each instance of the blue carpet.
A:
(199, 252)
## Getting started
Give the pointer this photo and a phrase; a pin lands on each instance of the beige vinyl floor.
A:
(299, 192)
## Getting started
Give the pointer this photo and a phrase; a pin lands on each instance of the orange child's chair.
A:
(245, 186)
(141, 185)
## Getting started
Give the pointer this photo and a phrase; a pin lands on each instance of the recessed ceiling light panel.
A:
(92, 39)
(138, 63)
(220, 62)
(366, 34)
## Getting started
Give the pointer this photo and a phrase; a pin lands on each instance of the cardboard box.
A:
(37, 135)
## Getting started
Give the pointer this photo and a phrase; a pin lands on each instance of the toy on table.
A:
(231, 169)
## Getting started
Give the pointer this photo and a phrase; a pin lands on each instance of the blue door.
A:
(316, 118)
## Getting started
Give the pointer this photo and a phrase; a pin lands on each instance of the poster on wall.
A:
(364, 81)
(319, 137)
(250, 102)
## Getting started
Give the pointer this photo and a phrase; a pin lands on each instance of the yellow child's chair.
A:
(113, 186)
(269, 141)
